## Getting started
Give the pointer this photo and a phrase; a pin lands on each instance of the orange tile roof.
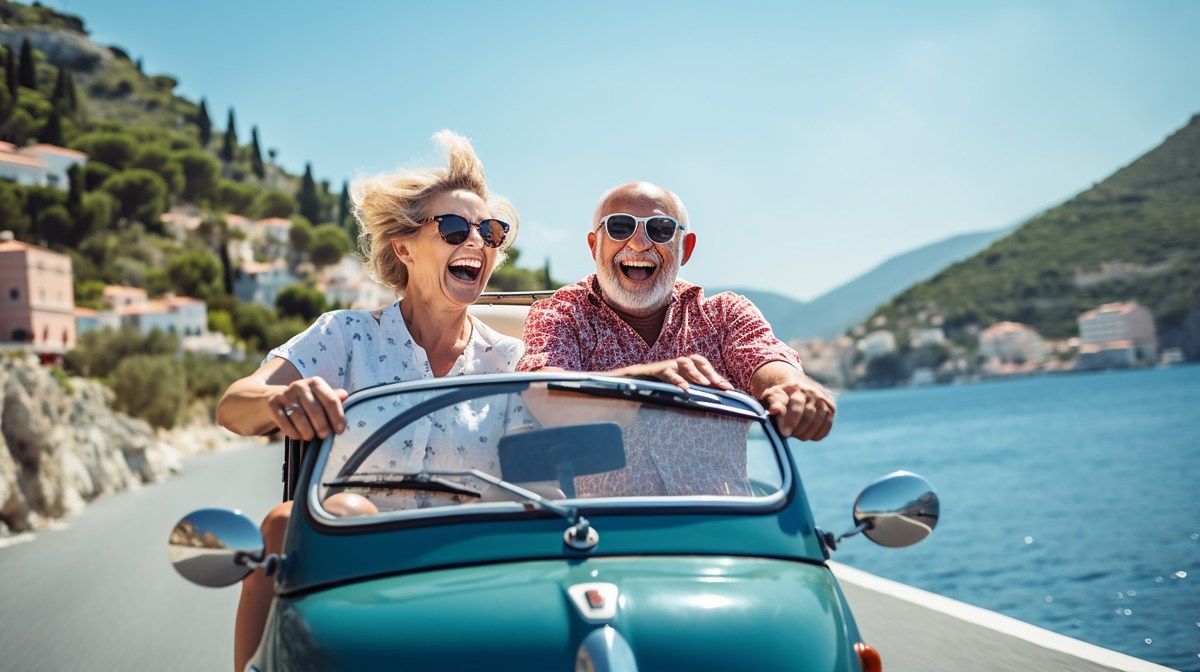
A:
(55, 149)
(21, 160)
(18, 246)
(80, 311)
(274, 221)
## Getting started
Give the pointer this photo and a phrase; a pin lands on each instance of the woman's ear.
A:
(403, 253)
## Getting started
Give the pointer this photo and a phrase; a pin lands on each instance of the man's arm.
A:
(802, 406)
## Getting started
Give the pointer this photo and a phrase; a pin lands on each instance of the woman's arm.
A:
(275, 396)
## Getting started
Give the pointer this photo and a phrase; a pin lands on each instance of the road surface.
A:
(99, 594)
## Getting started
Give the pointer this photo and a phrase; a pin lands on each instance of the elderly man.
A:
(634, 317)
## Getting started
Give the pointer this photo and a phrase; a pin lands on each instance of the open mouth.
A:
(467, 270)
(636, 269)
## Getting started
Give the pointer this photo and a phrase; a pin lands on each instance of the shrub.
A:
(151, 387)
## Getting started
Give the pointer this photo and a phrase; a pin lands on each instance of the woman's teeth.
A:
(466, 269)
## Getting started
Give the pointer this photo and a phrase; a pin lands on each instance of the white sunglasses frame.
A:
(639, 221)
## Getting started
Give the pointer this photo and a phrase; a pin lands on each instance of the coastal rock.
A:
(62, 445)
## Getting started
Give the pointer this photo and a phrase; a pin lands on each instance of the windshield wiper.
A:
(421, 481)
(581, 535)
(695, 400)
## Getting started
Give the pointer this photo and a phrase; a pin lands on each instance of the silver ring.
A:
(287, 412)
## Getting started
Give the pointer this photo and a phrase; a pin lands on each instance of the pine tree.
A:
(256, 162)
(52, 132)
(204, 123)
(306, 198)
(229, 149)
(26, 74)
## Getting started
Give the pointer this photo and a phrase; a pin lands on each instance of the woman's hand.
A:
(679, 371)
(308, 408)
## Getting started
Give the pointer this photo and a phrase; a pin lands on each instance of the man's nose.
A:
(639, 241)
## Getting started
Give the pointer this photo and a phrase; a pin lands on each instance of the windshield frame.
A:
(731, 403)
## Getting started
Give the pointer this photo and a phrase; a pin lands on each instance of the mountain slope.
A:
(834, 312)
(1134, 236)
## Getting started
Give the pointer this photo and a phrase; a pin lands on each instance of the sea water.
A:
(1069, 502)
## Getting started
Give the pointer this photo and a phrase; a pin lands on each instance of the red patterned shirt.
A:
(577, 331)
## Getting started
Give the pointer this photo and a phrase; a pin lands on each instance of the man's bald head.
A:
(646, 192)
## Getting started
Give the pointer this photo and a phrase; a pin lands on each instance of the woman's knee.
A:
(275, 525)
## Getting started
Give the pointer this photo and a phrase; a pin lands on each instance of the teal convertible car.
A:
(554, 522)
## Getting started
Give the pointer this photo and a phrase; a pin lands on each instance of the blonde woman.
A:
(434, 236)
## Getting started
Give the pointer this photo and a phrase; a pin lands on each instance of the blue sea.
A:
(1069, 502)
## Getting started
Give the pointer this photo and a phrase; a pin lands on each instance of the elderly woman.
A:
(434, 236)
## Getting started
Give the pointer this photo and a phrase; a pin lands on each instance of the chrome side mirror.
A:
(898, 510)
(215, 547)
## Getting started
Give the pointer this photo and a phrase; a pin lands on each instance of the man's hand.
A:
(680, 371)
(802, 407)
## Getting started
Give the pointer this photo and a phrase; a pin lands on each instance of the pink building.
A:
(38, 301)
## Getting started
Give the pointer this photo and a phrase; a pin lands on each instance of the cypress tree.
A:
(72, 99)
(204, 123)
(63, 97)
(547, 282)
(10, 71)
(52, 132)
(344, 206)
(75, 190)
(256, 162)
(26, 74)
(229, 149)
(306, 198)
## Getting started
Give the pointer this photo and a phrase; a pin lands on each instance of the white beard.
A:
(638, 304)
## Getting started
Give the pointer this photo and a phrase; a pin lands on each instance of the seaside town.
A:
(39, 311)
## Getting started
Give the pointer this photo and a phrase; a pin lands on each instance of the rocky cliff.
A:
(62, 445)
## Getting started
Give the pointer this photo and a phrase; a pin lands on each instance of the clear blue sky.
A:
(810, 141)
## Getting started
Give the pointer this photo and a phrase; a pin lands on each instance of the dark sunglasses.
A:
(659, 228)
(455, 229)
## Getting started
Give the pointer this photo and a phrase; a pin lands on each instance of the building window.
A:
(14, 294)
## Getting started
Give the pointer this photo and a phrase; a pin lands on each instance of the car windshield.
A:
(412, 448)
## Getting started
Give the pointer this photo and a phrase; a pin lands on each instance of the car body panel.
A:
(685, 612)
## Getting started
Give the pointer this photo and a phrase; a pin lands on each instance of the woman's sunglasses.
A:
(659, 228)
(455, 229)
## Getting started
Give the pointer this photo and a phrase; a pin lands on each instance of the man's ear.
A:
(592, 244)
(403, 253)
(689, 244)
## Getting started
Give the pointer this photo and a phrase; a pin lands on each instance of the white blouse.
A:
(351, 350)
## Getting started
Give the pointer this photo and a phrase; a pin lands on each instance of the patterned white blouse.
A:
(352, 350)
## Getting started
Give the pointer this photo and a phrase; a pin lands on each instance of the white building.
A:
(38, 165)
(1120, 322)
(1012, 343)
(930, 336)
(179, 315)
(877, 344)
(348, 284)
(261, 282)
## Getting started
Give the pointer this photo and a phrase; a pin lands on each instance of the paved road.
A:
(101, 595)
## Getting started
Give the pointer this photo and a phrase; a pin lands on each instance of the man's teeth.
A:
(638, 263)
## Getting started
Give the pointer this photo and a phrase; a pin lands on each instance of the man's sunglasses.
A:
(659, 228)
(455, 229)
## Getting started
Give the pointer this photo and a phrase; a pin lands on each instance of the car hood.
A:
(693, 613)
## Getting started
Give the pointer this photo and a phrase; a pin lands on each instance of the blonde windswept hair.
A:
(389, 206)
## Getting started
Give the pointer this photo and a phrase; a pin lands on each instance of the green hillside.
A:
(1134, 236)
(151, 152)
